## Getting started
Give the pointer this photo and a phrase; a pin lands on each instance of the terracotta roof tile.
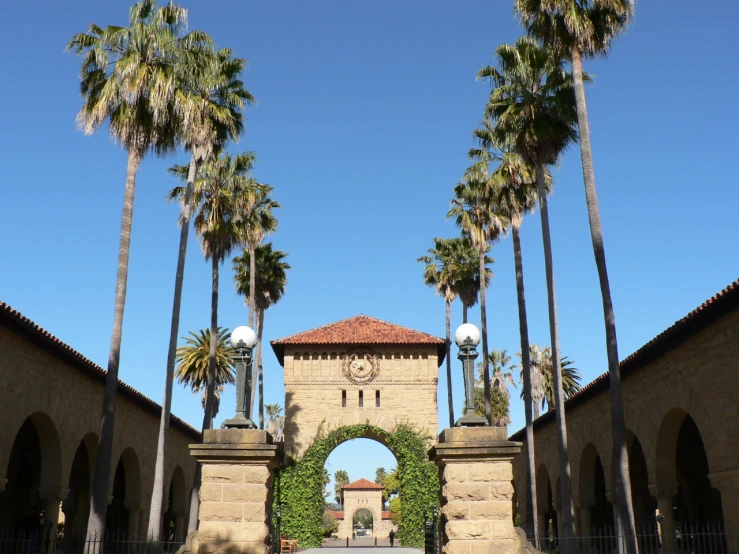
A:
(385, 515)
(88, 366)
(359, 330)
(335, 514)
(362, 484)
(695, 321)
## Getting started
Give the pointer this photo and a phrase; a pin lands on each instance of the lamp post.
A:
(467, 337)
(243, 339)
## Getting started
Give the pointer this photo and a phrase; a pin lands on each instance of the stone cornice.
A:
(348, 384)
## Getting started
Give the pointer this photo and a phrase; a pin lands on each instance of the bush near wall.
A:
(298, 486)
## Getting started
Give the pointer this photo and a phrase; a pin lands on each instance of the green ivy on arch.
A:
(298, 486)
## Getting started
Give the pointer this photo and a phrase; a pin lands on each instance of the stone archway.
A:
(34, 474)
(299, 485)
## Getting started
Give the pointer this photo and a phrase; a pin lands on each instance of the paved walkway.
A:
(338, 546)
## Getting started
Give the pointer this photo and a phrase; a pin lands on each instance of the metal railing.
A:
(33, 543)
(687, 539)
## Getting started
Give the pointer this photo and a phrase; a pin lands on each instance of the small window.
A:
(343, 399)
(361, 399)
(377, 399)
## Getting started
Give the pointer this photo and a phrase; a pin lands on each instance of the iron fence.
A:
(692, 539)
(32, 543)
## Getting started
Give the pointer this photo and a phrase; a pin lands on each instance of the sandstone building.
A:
(50, 398)
(363, 495)
(354, 371)
(682, 415)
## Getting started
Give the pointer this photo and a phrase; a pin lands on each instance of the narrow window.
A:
(377, 399)
(361, 399)
(343, 399)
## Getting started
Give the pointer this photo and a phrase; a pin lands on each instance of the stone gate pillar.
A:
(236, 491)
(476, 477)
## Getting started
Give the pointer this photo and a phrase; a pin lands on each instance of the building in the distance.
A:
(363, 496)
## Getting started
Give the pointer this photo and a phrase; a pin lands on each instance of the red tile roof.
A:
(66, 352)
(362, 485)
(704, 315)
(359, 330)
(385, 515)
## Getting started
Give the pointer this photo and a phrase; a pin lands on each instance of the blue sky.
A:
(364, 117)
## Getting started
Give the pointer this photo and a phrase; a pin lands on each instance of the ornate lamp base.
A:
(471, 420)
(240, 421)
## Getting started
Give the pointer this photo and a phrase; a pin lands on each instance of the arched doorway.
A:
(34, 476)
(644, 503)
(299, 486)
(362, 523)
(682, 470)
(76, 507)
(547, 517)
(121, 518)
(173, 520)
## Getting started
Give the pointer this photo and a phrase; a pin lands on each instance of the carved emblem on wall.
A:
(360, 366)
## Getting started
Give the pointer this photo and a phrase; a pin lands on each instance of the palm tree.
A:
(499, 365)
(472, 210)
(533, 107)
(255, 221)
(541, 359)
(209, 100)
(439, 274)
(127, 77)
(467, 272)
(341, 479)
(517, 197)
(275, 421)
(270, 281)
(220, 182)
(193, 361)
(587, 28)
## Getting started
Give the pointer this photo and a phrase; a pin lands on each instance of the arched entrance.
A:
(363, 522)
(76, 507)
(298, 488)
(682, 469)
(34, 475)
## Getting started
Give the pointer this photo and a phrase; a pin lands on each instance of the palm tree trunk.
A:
(531, 530)
(209, 391)
(260, 375)
(99, 499)
(157, 494)
(618, 422)
(568, 519)
(464, 312)
(484, 326)
(252, 318)
(449, 362)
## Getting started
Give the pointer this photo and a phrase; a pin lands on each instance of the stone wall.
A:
(62, 394)
(371, 500)
(315, 385)
(696, 377)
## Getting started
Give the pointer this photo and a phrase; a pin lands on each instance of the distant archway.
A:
(363, 522)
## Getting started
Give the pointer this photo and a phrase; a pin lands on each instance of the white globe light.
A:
(243, 334)
(467, 330)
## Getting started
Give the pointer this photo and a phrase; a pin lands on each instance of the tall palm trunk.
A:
(531, 531)
(449, 362)
(209, 390)
(260, 375)
(252, 318)
(101, 482)
(618, 422)
(484, 326)
(157, 494)
(464, 312)
(568, 519)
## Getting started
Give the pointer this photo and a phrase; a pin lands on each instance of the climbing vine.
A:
(298, 486)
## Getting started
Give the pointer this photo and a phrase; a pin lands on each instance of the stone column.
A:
(134, 516)
(664, 496)
(143, 525)
(3, 482)
(543, 523)
(586, 518)
(617, 529)
(727, 483)
(235, 494)
(52, 500)
(476, 490)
